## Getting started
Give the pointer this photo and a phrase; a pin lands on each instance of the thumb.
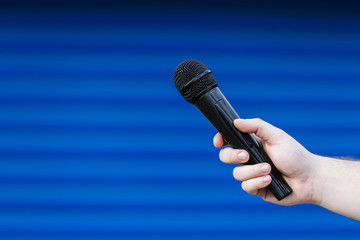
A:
(260, 128)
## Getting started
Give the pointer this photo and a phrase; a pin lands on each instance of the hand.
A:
(295, 163)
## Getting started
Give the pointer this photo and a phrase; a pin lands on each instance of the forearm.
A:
(336, 186)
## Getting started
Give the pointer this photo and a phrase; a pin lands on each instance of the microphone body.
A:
(215, 107)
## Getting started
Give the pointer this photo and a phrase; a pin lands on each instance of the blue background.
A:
(97, 143)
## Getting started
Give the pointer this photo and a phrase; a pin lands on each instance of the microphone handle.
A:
(214, 106)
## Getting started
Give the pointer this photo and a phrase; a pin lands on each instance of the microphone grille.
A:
(192, 78)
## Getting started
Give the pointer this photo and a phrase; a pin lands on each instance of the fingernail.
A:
(242, 156)
(265, 168)
(267, 178)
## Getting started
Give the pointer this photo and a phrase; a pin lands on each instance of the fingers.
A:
(254, 177)
(252, 186)
(262, 129)
(230, 155)
(246, 172)
(233, 156)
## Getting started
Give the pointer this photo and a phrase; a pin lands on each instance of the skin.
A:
(328, 182)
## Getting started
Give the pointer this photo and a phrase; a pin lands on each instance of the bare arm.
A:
(327, 182)
(337, 186)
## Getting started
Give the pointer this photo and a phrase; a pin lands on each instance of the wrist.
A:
(325, 180)
(317, 178)
(335, 185)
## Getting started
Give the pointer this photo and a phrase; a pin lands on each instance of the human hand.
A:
(295, 163)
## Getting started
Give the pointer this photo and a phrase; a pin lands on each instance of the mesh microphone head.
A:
(193, 79)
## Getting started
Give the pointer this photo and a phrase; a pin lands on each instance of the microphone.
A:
(197, 85)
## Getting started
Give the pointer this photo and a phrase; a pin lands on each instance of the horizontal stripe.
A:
(97, 143)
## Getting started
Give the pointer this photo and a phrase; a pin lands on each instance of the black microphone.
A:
(197, 85)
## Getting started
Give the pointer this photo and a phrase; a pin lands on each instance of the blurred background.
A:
(97, 143)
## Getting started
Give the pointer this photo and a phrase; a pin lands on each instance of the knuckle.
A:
(226, 154)
(245, 186)
(236, 173)
(258, 120)
(223, 153)
(220, 154)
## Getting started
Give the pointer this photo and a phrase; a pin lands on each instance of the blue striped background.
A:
(96, 142)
